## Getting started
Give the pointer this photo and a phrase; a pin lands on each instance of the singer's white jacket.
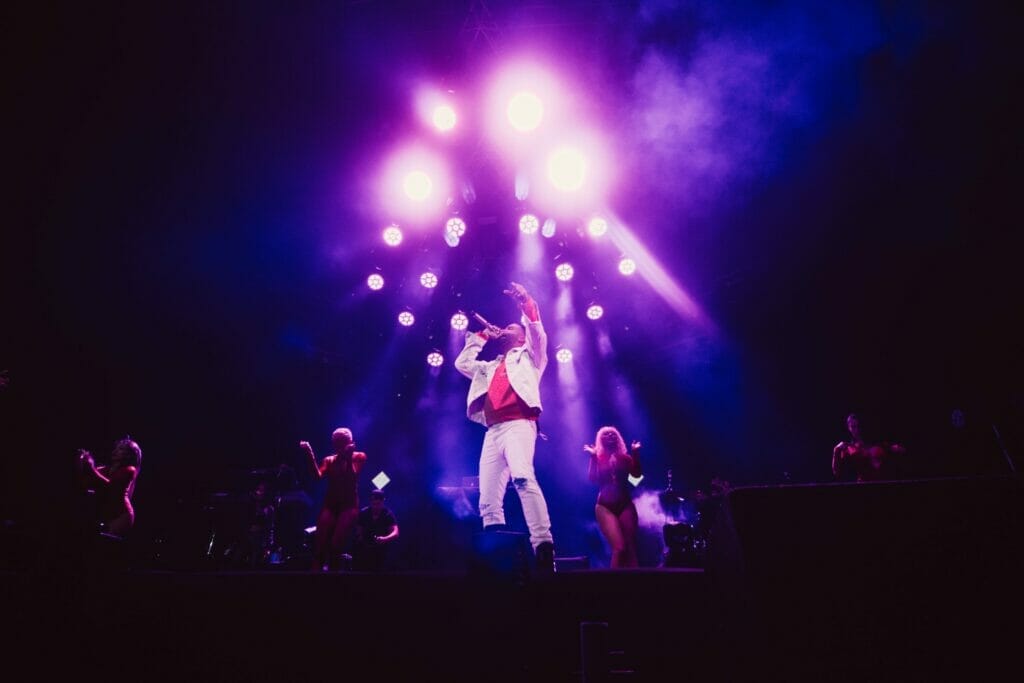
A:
(525, 365)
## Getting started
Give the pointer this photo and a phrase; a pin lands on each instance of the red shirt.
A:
(502, 402)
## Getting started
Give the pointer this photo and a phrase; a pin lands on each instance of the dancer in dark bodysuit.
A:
(610, 468)
(341, 500)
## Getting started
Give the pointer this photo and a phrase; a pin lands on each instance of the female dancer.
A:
(114, 484)
(610, 467)
(341, 501)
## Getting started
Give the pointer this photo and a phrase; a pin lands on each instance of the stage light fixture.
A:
(567, 169)
(528, 224)
(564, 272)
(525, 111)
(375, 281)
(417, 186)
(392, 236)
(406, 318)
(435, 359)
(563, 356)
(460, 321)
(597, 226)
(455, 226)
(595, 312)
(444, 118)
(627, 266)
(451, 239)
(548, 229)
(428, 280)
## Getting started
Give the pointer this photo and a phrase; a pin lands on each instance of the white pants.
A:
(508, 452)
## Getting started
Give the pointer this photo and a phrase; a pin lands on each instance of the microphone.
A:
(483, 321)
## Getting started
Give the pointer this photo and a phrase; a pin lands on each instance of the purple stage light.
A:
(428, 280)
(627, 266)
(529, 224)
(567, 168)
(375, 281)
(455, 226)
(564, 356)
(564, 272)
(392, 236)
(443, 117)
(548, 229)
(524, 111)
(435, 359)
(414, 186)
(417, 185)
(460, 321)
(597, 226)
(595, 312)
(451, 239)
(406, 318)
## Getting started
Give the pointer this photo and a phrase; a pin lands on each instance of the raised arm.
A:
(536, 337)
(635, 469)
(317, 470)
(466, 363)
(592, 470)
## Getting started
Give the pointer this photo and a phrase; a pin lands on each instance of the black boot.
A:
(545, 558)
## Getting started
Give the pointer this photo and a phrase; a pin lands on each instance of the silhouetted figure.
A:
(862, 461)
(610, 468)
(114, 485)
(376, 529)
(341, 500)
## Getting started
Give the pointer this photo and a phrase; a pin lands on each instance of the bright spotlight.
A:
(595, 312)
(529, 224)
(417, 186)
(460, 321)
(392, 236)
(525, 111)
(451, 239)
(455, 226)
(567, 169)
(443, 117)
(428, 280)
(406, 319)
(435, 359)
(564, 356)
(548, 229)
(375, 282)
(564, 272)
(627, 266)
(597, 226)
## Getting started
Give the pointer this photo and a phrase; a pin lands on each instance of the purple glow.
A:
(595, 312)
(460, 321)
(627, 266)
(563, 356)
(528, 224)
(524, 100)
(435, 359)
(392, 236)
(548, 229)
(417, 185)
(428, 280)
(375, 281)
(564, 272)
(406, 318)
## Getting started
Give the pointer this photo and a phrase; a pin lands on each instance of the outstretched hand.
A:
(635, 446)
(304, 445)
(589, 449)
(517, 292)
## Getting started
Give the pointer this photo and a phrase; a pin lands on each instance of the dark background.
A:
(190, 235)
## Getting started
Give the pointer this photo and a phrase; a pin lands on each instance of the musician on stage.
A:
(866, 461)
(611, 465)
(504, 396)
(114, 485)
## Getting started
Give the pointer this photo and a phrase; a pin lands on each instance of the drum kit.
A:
(689, 519)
